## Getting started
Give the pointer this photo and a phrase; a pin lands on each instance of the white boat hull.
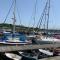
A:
(46, 52)
(13, 56)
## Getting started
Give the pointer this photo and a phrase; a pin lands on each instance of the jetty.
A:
(52, 58)
(9, 48)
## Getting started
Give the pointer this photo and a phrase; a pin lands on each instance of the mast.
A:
(14, 18)
(44, 17)
(34, 14)
(48, 14)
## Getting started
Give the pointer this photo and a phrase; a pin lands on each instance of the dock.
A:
(51, 58)
(8, 48)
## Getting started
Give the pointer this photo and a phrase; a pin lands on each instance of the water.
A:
(27, 58)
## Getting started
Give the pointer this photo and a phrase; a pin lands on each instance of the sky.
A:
(26, 12)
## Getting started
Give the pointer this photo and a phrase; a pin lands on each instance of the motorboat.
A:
(30, 56)
(13, 56)
(47, 52)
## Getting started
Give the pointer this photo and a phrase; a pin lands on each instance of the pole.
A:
(48, 15)
(14, 19)
(34, 14)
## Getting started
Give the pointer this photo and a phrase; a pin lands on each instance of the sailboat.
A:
(13, 39)
(45, 37)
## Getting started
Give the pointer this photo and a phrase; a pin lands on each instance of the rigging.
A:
(45, 15)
